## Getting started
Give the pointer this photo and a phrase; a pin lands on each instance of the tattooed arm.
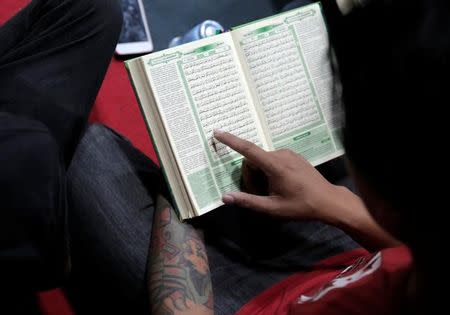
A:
(179, 277)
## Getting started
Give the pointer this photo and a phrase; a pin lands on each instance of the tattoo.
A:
(179, 276)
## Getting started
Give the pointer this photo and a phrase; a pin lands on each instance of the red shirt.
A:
(353, 283)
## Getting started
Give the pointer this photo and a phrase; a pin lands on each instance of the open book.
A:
(269, 82)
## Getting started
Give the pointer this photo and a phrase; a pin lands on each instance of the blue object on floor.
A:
(170, 18)
(205, 29)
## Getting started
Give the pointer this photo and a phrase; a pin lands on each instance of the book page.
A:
(287, 60)
(170, 170)
(200, 87)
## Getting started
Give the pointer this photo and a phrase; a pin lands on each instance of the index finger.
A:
(257, 156)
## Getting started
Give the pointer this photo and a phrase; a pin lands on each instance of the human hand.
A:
(294, 188)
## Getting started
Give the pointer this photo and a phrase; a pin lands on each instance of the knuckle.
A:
(291, 153)
(275, 208)
(271, 207)
(273, 162)
(244, 202)
(280, 159)
(285, 153)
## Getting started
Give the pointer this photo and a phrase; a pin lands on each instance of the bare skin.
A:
(296, 190)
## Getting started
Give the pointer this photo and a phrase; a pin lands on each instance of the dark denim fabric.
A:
(53, 57)
(111, 190)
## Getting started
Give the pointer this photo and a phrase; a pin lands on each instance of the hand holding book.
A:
(296, 190)
(268, 82)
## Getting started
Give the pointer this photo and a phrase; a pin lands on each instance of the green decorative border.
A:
(300, 16)
(277, 15)
(196, 54)
(213, 162)
(311, 86)
(264, 29)
(165, 59)
(261, 33)
(153, 139)
(313, 91)
(205, 52)
(205, 48)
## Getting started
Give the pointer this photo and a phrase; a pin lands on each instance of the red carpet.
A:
(116, 107)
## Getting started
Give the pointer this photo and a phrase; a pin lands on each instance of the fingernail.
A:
(218, 132)
(228, 199)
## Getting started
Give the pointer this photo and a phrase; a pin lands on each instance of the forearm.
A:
(351, 215)
(179, 277)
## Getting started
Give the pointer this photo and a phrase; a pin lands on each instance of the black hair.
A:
(393, 61)
(394, 64)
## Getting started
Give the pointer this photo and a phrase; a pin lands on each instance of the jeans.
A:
(53, 57)
(112, 189)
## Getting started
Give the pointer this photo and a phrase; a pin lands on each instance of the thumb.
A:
(266, 204)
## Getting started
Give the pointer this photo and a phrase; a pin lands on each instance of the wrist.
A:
(342, 208)
(347, 211)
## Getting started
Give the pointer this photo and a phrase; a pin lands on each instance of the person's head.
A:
(393, 58)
